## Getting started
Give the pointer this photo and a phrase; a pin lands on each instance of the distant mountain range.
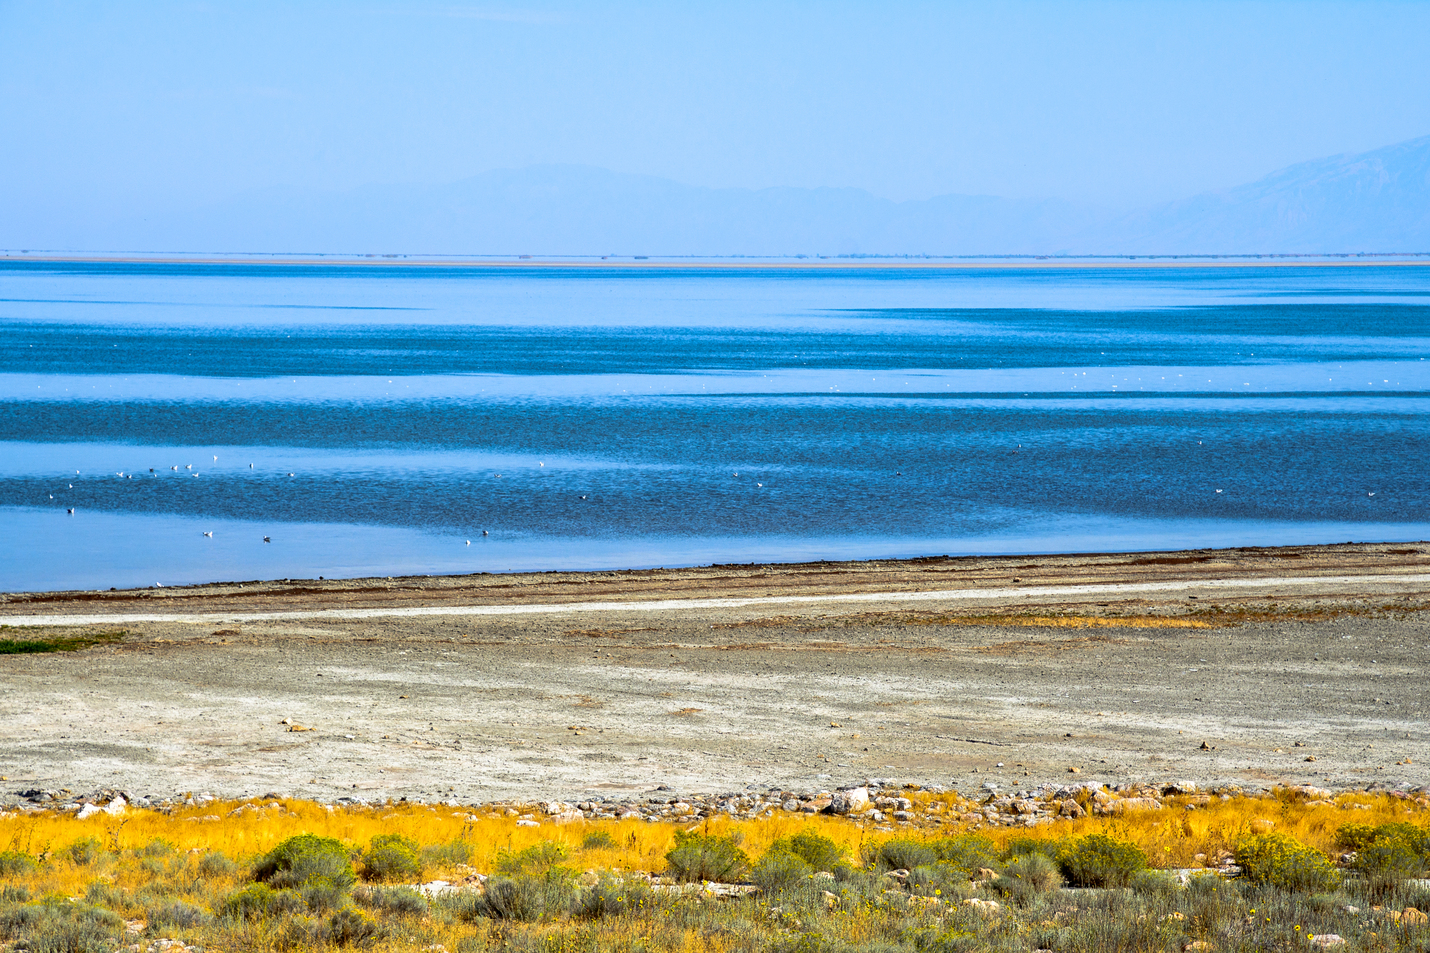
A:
(1376, 201)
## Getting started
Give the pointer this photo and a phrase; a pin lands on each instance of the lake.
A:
(439, 418)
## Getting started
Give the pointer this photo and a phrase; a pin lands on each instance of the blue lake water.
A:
(379, 420)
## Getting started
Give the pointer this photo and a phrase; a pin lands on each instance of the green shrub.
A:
(392, 901)
(1097, 860)
(14, 893)
(816, 850)
(63, 927)
(175, 913)
(307, 860)
(527, 897)
(1154, 883)
(260, 902)
(15, 864)
(968, 852)
(304, 933)
(612, 897)
(599, 840)
(158, 847)
(391, 857)
(1019, 846)
(904, 854)
(103, 894)
(84, 851)
(1392, 853)
(711, 857)
(538, 859)
(1279, 861)
(780, 870)
(1354, 836)
(215, 864)
(1025, 876)
(450, 854)
(350, 926)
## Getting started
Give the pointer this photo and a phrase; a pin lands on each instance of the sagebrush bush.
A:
(611, 897)
(527, 897)
(350, 926)
(1024, 876)
(215, 864)
(902, 853)
(390, 858)
(63, 927)
(259, 902)
(307, 860)
(1097, 860)
(158, 847)
(84, 851)
(1279, 861)
(598, 840)
(174, 913)
(816, 850)
(712, 857)
(538, 859)
(779, 871)
(393, 901)
(15, 864)
(450, 854)
(1388, 854)
(968, 852)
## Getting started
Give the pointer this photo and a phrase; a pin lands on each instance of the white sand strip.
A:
(1382, 584)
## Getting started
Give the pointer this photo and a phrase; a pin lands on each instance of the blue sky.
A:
(115, 107)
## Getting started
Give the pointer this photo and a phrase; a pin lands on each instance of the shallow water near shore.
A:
(374, 421)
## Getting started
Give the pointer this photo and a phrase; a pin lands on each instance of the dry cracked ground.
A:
(1297, 665)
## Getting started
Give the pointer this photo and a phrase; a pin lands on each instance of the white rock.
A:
(89, 810)
(115, 807)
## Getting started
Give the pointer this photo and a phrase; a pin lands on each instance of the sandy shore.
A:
(1251, 666)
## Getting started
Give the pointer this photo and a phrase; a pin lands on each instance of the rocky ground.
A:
(1242, 668)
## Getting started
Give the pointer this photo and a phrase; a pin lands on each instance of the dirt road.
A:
(1301, 664)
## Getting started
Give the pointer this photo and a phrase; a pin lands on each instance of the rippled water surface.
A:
(401, 419)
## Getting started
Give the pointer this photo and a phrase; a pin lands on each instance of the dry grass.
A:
(868, 913)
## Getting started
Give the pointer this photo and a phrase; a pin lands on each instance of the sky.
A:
(119, 108)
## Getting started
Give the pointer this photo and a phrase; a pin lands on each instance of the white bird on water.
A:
(267, 540)
(469, 542)
(209, 535)
(484, 532)
(70, 511)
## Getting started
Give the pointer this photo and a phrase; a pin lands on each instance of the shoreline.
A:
(1257, 686)
(658, 262)
(981, 580)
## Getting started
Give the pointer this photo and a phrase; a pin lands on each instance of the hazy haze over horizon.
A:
(162, 112)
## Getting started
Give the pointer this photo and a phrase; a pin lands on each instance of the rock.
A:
(116, 807)
(525, 823)
(792, 805)
(89, 810)
(1071, 808)
(1410, 915)
(849, 802)
(989, 908)
(1074, 769)
(1262, 825)
(1324, 940)
(1196, 946)
(985, 874)
(1127, 804)
(830, 900)
(876, 816)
